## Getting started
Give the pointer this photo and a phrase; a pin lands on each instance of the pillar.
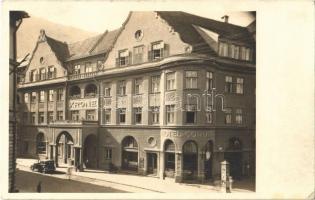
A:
(55, 153)
(201, 166)
(81, 159)
(178, 167)
(161, 165)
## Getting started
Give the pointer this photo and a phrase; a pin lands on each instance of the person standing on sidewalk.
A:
(39, 187)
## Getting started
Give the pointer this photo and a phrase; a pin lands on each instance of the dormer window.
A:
(123, 58)
(33, 75)
(157, 51)
(51, 72)
(43, 74)
(235, 51)
(41, 60)
(76, 69)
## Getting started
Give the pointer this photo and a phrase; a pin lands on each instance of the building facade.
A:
(169, 94)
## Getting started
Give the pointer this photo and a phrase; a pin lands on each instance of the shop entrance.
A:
(190, 160)
(152, 163)
(234, 157)
(90, 152)
(130, 154)
(169, 154)
(64, 150)
(208, 157)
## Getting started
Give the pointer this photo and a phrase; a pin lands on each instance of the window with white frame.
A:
(33, 117)
(155, 114)
(122, 115)
(90, 115)
(26, 97)
(155, 84)
(170, 81)
(108, 153)
(60, 96)
(77, 69)
(59, 115)
(138, 115)
(239, 85)
(33, 97)
(33, 75)
(138, 54)
(236, 53)
(42, 96)
(107, 116)
(191, 79)
(209, 81)
(123, 58)
(41, 117)
(138, 86)
(243, 53)
(223, 49)
(170, 114)
(51, 95)
(191, 113)
(157, 50)
(239, 116)
(50, 117)
(228, 84)
(228, 116)
(75, 115)
(42, 74)
(51, 72)
(107, 88)
(88, 67)
(122, 88)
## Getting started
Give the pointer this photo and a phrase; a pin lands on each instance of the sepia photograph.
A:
(133, 101)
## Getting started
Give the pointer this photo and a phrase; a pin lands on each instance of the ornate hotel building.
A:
(169, 94)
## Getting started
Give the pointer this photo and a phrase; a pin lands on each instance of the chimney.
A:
(42, 32)
(226, 18)
(41, 36)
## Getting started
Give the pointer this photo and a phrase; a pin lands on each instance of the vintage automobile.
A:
(44, 166)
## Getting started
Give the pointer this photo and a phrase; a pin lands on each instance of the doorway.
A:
(190, 160)
(235, 160)
(130, 154)
(152, 163)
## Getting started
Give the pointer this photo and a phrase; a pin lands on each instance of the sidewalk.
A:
(130, 183)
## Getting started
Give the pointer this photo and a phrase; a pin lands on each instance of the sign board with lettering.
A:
(187, 134)
(81, 104)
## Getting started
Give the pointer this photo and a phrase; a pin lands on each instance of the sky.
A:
(98, 16)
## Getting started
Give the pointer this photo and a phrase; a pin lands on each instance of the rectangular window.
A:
(239, 116)
(50, 116)
(155, 84)
(33, 117)
(209, 81)
(41, 117)
(243, 53)
(170, 81)
(51, 95)
(122, 115)
(138, 86)
(42, 74)
(33, 97)
(138, 115)
(239, 85)
(26, 95)
(191, 113)
(99, 64)
(51, 72)
(42, 96)
(228, 116)
(247, 54)
(107, 116)
(77, 69)
(108, 153)
(223, 49)
(59, 115)
(90, 115)
(60, 96)
(157, 50)
(209, 117)
(88, 67)
(228, 84)
(170, 114)
(232, 51)
(123, 58)
(75, 115)
(122, 88)
(107, 88)
(34, 75)
(191, 79)
(236, 52)
(155, 113)
(138, 54)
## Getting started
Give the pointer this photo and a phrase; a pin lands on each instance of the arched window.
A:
(40, 144)
(75, 92)
(90, 90)
(130, 143)
(169, 146)
(190, 147)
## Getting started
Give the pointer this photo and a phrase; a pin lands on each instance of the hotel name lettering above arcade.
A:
(187, 134)
(80, 104)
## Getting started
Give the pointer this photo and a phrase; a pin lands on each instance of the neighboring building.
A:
(139, 98)
(16, 18)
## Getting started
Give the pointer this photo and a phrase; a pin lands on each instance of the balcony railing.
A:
(82, 76)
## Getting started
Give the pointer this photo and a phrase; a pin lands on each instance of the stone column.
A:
(161, 165)
(81, 159)
(201, 171)
(178, 167)
(55, 153)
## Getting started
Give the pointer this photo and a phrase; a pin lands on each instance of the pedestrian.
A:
(39, 187)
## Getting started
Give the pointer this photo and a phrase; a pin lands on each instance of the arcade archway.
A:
(64, 150)
(129, 153)
(90, 151)
(169, 153)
